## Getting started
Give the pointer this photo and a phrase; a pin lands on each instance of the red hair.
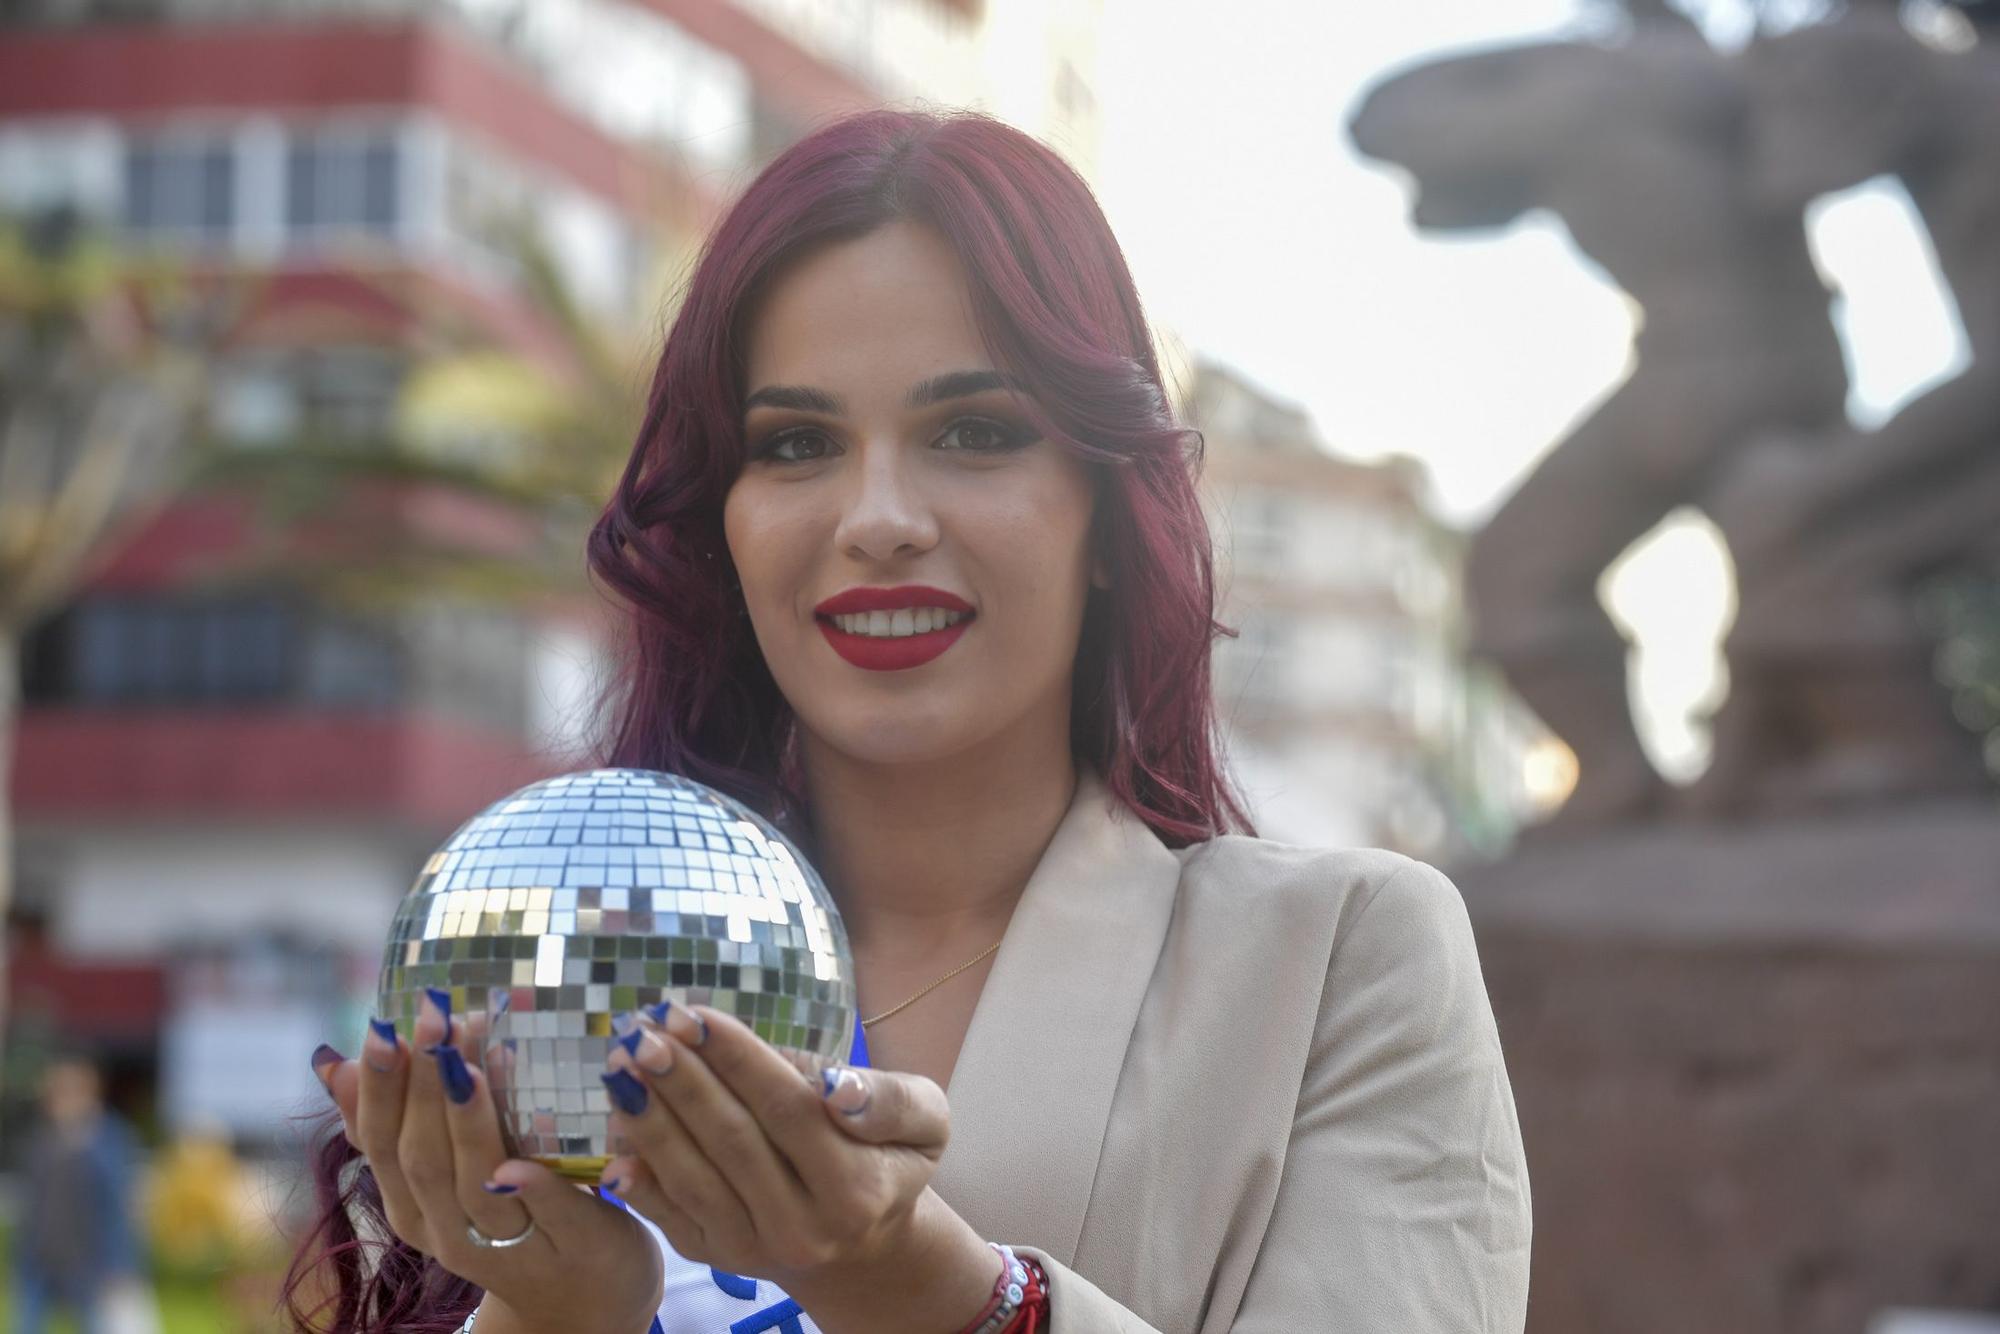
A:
(1056, 307)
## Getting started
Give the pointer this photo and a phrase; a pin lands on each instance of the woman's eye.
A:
(777, 445)
(971, 435)
(979, 435)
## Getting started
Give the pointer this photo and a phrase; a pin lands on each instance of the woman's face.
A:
(885, 461)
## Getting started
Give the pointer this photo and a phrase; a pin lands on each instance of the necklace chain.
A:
(898, 1009)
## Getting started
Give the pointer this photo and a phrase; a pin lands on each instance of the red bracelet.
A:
(1034, 1312)
(1020, 1300)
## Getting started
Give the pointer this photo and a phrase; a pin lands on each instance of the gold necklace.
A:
(898, 1009)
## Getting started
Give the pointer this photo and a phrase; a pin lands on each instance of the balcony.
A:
(74, 765)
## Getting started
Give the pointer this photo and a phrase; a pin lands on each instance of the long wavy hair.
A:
(1056, 307)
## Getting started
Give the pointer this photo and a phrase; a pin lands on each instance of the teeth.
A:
(897, 624)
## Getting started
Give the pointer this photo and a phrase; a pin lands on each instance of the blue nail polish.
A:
(324, 1056)
(630, 1042)
(451, 1069)
(498, 1188)
(829, 1080)
(442, 1000)
(384, 1030)
(658, 1013)
(627, 1093)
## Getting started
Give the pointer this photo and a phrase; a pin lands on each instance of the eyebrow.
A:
(937, 389)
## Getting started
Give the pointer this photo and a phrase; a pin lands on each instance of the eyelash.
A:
(1012, 437)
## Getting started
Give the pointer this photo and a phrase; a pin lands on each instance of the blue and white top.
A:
(700, 1299)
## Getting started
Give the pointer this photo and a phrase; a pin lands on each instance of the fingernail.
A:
(654, 1054)
(630, 1042)
(658, 1013)
(440, 1000)
(687, 1024)
(627, 1093)
(323, 1057)
(451, 1069)
(498, 1188)
(379, 1050)
(616, 1185)
(844, 1090)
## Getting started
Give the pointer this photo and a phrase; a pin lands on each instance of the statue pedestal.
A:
(1757, 1067)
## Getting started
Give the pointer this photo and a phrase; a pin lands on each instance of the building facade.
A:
(226, 774)
(1350, 710)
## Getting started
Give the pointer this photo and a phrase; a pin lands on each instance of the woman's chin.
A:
(895, 738)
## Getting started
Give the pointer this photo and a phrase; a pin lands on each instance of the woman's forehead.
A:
(889, 306)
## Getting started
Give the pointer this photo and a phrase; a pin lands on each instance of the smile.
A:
(879, 641)
(897, 624)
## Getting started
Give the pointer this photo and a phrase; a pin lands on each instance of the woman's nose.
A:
(886, 513)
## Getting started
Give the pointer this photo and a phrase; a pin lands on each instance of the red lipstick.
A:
(851, 600)
(890, 655)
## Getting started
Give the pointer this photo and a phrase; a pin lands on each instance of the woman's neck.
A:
(925, 858)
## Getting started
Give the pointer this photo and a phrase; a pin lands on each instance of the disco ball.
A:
(581, 899)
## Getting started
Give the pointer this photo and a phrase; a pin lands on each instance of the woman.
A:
(916, 567)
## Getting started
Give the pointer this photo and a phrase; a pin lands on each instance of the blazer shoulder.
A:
(1343, 901)
(1259, 869)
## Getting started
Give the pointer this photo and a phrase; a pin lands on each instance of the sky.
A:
(1257, 234)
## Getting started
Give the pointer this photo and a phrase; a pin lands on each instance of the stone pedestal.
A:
(1757, 1067)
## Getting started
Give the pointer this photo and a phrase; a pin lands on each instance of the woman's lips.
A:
(891, 655)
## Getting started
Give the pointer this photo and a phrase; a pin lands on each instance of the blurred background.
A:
(1600, 402)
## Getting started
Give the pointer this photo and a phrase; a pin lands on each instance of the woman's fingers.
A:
(742, 1103)
(423, 1150)
(468, 1034)
(342, 1080)
(474, 1126)
(631, 1180)
(756, 1076)
(643, 1064)
(886, 1107)
(382, 1088)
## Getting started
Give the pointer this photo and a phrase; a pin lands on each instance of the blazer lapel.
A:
(1033, 1086)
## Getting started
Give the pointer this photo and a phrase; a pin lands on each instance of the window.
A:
(351, 663)
(1262, 538)
(181, 185)
(228, 650)
(341, 180)
(123, 650)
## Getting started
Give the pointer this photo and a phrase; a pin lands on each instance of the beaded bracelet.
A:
(1021, 1290)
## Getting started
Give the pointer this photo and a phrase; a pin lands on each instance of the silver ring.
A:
(480, 1239)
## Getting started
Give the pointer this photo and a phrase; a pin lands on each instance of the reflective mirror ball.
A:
(555, 914)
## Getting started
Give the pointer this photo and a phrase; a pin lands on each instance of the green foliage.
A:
(1962, 609)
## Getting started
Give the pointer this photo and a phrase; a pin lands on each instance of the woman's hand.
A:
(428, 1125)
(818, 1184)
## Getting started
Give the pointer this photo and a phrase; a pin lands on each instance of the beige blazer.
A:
(1245, 1087)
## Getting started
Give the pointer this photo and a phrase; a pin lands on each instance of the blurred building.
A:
(225, 779)
(1352, 714)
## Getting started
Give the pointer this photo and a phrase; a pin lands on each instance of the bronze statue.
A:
(1834, 696)
(1642, 150)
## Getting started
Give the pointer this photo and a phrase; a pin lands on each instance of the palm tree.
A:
(101, 374)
